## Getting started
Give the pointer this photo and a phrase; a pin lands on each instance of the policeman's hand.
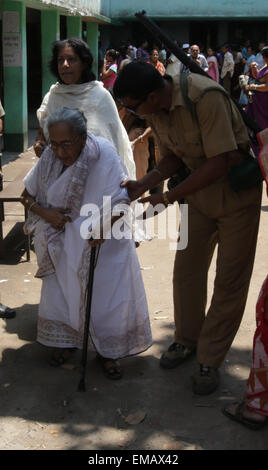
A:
(153, 200)
(57, 217)
(134, 189)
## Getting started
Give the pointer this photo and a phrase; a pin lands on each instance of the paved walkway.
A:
(40, 407)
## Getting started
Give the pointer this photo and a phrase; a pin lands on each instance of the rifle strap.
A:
(252, 126)
(189, 103)
(192, 106)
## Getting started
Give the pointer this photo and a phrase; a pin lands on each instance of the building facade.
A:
(28, 30)
(29, 27)
(207, 21)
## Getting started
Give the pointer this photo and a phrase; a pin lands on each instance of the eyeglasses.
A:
(67, 145)
(132, 109)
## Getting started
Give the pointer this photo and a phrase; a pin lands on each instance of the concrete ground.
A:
(40, 407)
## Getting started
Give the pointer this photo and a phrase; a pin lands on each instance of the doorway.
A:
(204, 34)
(34, 69)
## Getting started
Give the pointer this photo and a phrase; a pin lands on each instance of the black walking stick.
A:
(82, 385)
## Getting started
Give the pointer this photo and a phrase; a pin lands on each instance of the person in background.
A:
(243, 100)
(122, 53)
(198, 58)
(77, 88)
(109, 69)
(227, 70)
(142, 53)
(175, 66)
(154, 58)
(139, 133)
(213, 68)
(5, 312)
(131, 49)
(244, 51)
(130, 56)
(186, 47)
(173, 63)
(238, 70)
(162, 55)
(259, 56)
(131, 52)
(258, 108)
(250, 59)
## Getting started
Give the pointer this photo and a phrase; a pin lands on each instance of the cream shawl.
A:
(100, 110)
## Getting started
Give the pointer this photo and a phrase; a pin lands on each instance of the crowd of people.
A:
(224, 64)
(240, 70)
(98, 140)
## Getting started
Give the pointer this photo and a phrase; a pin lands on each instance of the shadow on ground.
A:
(14, 246)
(58, 416)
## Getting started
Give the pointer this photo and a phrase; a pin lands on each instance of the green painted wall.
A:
(15, 76)
(74, 27)
(15, 63)
(50, 32)
(183, 9)
(92, 40)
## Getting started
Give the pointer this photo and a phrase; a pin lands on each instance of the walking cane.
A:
(82, 385)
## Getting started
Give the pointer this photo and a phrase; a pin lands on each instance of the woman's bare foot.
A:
(110, 367)
(60, 356)
(239, 412)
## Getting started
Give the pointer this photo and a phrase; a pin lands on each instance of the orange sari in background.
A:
(160, 67)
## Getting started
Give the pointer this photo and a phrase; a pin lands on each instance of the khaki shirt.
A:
(220, 127)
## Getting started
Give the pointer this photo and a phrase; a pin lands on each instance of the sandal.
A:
(60, 356)
(111, 368)
(239, 417)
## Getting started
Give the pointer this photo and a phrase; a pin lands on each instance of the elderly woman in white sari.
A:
(77, 88)
(76, 169)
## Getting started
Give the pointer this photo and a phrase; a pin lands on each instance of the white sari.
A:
(120, 323)
(100, 110)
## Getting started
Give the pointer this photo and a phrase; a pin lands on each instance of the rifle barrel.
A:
(169, 44)
(191, 65)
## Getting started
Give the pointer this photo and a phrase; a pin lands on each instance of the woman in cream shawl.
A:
(77, 88)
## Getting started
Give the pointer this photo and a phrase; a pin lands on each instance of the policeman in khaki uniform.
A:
(209, 143)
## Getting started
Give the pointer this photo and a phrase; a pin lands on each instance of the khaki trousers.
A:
(235, 231)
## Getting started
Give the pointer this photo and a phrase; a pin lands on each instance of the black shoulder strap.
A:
(189, 103)
(252, 126)
(184, 90)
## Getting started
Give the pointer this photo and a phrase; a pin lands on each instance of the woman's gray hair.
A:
(73, 117)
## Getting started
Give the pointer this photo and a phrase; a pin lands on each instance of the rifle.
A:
(159, 35)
